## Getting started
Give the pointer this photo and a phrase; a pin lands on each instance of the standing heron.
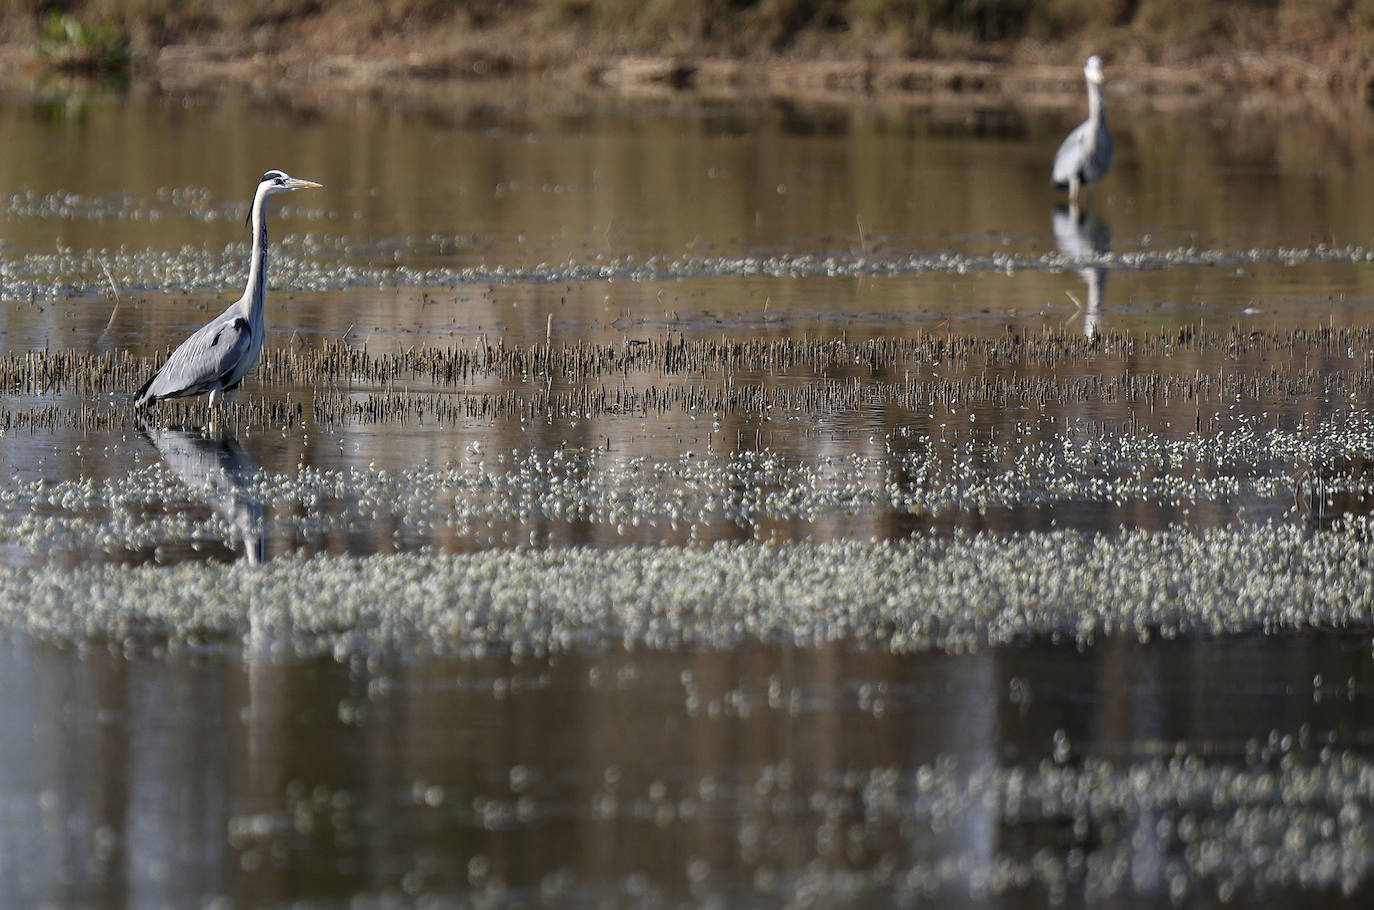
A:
(1086, 154)
(218, 355)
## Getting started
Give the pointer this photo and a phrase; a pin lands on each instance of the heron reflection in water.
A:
(1082, 235)
(218, 471)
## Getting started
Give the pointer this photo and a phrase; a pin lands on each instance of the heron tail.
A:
(143, 397)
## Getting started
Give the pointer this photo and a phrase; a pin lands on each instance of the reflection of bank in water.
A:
(1083, 235)
(219, 472)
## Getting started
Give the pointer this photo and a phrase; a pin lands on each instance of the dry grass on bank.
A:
(1328, 39)
(1162, 29)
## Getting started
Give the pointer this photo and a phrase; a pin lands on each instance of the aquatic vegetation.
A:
(314, 262)
(1240, 829)
(686, 496)
(960, 593)
(1280, 816)
(926, 372)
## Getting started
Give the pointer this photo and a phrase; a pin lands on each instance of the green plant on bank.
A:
(67, 45)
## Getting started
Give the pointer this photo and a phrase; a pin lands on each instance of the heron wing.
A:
(1102, 152)
(1073, 152)
(203, 362)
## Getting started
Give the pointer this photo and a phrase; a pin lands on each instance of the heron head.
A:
(274, 182)
(1093, 69)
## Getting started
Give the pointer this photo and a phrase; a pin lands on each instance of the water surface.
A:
(152, 766)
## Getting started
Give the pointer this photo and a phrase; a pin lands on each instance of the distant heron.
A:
(1086, 154)
(217, 356)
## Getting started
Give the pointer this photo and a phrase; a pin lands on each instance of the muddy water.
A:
(188, 761)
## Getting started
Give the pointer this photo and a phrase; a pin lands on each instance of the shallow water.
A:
(1204, 769)
(1188, 359)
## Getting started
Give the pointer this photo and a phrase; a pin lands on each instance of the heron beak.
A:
(296, 183)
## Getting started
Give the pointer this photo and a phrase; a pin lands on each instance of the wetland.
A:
(678, 502)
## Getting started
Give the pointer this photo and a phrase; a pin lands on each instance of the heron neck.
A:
(1097, 111)
(256, 292)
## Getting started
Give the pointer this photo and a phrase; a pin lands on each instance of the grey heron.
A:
(218, 355)
(1086, 153)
